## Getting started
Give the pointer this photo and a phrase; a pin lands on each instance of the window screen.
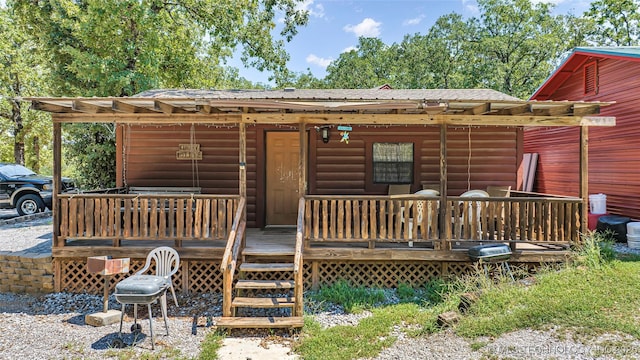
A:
(393, 163)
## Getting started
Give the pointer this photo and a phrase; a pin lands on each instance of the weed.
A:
(351, 298)
(596, 250)
(211, 344)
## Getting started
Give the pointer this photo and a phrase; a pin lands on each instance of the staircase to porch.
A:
(264, 292)
(268, 290)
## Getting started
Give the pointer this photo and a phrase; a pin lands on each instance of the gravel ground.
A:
(52, 326)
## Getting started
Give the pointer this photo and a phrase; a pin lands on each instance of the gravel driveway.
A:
(52, 327)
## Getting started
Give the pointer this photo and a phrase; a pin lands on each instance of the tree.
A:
(517, 44)
(438, 59)
(120, 48)
(370, 65)
(21, 74)
(615, 22)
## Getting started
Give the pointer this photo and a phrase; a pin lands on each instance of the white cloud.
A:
(347, 49)
(471, 6)
(367, 28)
(414, 21)
(314, 10)
(315, 60)
(554, 2)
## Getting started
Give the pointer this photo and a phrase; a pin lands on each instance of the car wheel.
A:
(29, 204)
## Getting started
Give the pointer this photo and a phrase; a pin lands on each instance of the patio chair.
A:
(167, 264)
(420, 209)
(475, 193)
(399, 189)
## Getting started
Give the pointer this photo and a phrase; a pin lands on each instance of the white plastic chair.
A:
(475, 193)
(167, 264)
(419, 211)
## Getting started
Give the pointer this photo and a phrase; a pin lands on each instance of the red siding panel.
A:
(614, 152)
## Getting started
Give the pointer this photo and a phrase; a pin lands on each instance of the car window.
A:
(15, 171)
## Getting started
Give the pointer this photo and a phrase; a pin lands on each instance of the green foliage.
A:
(596, 250)
(210, 346)
(25, 135)
(364, 340)
(91, 148)
(351, 298)
(592, 300)
(614, 22)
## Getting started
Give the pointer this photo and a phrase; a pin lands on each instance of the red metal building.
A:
(594, 74)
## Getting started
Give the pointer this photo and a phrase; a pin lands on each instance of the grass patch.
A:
(595, 295)
(210, 345)
(351, 298)
(364, 340)
(130, 353)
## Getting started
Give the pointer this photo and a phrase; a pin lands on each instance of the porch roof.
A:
(326, 106)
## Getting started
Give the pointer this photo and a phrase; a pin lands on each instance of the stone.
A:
(102, 318)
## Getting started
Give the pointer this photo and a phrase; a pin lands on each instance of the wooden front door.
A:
(283, 154)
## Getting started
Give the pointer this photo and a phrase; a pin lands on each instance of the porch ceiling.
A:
(475, 110)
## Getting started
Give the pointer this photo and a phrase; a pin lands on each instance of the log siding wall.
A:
(335, 168)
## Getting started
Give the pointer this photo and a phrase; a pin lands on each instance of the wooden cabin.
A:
(593, 74)
(291, 189)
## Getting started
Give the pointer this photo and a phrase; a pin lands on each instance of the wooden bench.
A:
(164, 190)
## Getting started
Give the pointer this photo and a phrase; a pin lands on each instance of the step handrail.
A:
(230, 257)
(297, 261)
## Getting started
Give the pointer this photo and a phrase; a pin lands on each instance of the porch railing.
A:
(522, 219)
(408, 218)
(145, 217)
(235, 244)
(411, 218)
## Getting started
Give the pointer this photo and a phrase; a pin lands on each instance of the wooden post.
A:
(57, 180)
(243, 171)
(584, 178)
(445, 219)
(302, 162)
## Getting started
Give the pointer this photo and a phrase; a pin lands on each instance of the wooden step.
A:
(260, 322)
(265, 284)
(266, 267)
(274, 252)
(279, 302)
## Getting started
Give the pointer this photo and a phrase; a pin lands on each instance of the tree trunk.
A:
(18, 134)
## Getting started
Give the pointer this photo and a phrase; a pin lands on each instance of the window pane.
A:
(393, 163)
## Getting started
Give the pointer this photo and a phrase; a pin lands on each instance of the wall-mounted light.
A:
(324, 133)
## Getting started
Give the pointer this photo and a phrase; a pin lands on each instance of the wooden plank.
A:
(135, 217)
(80, 216)
(73, 217)
(261, 322)
(214, 219)
(64, 220)
(348, 220)
(91, 217)
(144, 217)
(341, 219)
(373, 230)
(197, 219)
(265, 284)
(325, 219)
(383, 223)
(316, 218)
(153, 218)
(171, 205)
(206, 219)
(357, 219)
(188, 218)
(257, 267)
(332, 221)
(277, 302)
(180, 210)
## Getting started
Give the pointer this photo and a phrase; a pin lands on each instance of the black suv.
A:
(26, 191)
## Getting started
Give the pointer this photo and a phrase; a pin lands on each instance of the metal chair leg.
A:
(163, 306)
(153, 342)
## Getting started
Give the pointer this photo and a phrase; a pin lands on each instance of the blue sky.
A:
(335, 25)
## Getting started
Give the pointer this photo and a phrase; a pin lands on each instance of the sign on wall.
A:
(189, 152)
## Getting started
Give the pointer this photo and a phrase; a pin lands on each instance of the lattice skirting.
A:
(205, 276)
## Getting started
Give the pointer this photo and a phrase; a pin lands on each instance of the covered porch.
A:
(348, 230)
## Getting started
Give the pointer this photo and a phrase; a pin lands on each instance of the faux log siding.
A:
(151, 160)
(614, 153)
(345, 169)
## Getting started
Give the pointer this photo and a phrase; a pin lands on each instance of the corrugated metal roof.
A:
(607, 51)
(575, 59)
